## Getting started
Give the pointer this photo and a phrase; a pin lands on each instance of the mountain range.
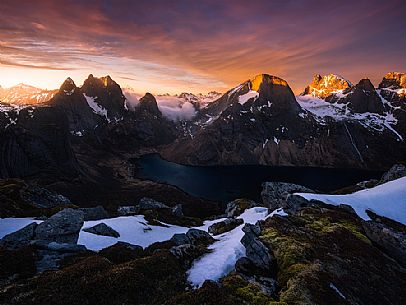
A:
(332, 124)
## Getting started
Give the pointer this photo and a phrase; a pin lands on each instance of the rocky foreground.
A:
(304, 252)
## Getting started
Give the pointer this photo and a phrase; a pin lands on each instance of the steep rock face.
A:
(35, 141)
(361, 98)
(148, 104)
(73, 103)
(269, 127)
(393, 91)
(238, 127)
(143, 127)
(107, 94)
(323, 86)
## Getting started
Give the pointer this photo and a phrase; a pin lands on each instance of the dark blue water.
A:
(225, 183)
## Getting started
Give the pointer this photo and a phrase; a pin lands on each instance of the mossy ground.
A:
(327, 246)
(96, 280)
(232, 289)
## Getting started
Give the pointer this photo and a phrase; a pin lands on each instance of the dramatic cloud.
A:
(183, 112)
(175, 108)
(182, 45)
(172, 107)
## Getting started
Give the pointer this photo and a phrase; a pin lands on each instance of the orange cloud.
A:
(180, 45)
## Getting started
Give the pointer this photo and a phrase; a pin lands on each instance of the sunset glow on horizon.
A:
(198, 46)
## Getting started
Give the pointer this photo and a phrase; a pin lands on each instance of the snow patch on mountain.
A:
(340, 112)
(242, 99)
(388, 200)
(91, 101)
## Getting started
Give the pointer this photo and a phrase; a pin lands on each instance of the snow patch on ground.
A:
(133, 229)
(388, 200)
(225, 251)
(10, 225)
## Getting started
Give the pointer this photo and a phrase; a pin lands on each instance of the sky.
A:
(173, 46)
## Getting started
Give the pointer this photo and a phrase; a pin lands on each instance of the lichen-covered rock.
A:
(256, 251)
(63, 227)
(294, 203)
(224, 226)
(237, 207)
(102, 229)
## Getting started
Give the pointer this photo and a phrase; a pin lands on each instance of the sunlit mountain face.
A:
(183, 152)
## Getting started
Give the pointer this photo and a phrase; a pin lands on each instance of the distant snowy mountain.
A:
(22, 94)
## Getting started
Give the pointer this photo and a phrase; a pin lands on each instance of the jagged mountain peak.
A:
(265, 80)
(323, 86)
(68, 86)
(104, 81)
(394, 80)
(365, 84)
(149, 104)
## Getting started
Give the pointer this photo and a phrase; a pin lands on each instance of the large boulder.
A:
(256, 251)
(388, 235)
(122, 252)
(397, 171)
(63, 227)
(20, 199)
(274, 194)
(294, 203)
(192, 237)
(177, 210)
(102, 229)
(128, 210)
(225, 226)
(197, 236)
(151, 204)
(237, 207)
(95, 213)
(19, 238)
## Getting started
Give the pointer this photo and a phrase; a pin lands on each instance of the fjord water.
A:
(225, 183)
